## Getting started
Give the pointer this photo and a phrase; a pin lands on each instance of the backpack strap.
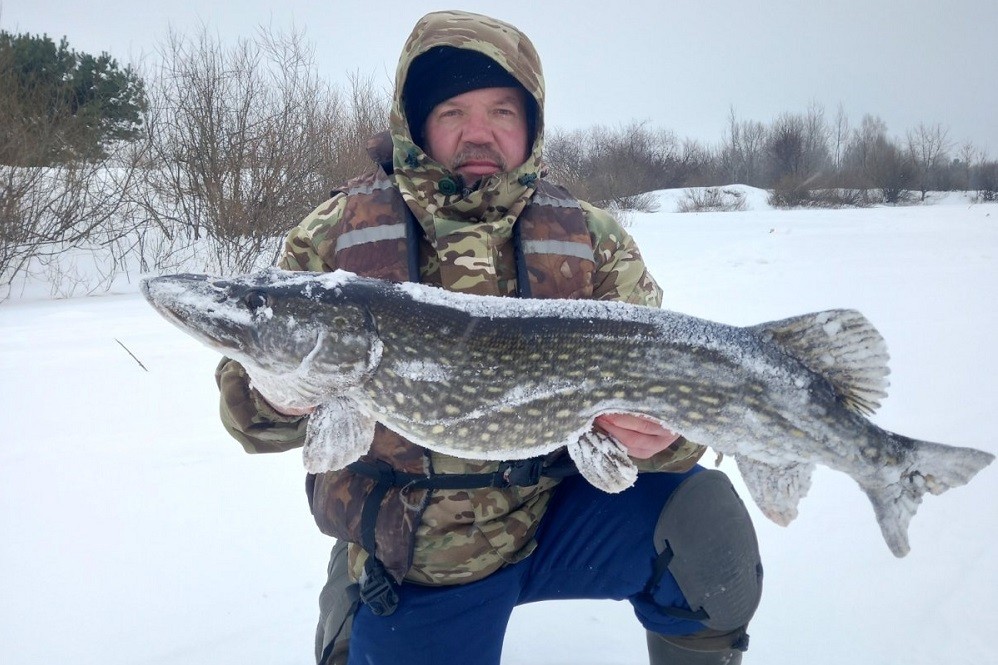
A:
(377, 588)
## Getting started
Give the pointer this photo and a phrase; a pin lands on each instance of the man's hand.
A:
(642, 437)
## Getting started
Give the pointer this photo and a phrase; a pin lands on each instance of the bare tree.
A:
(839, 136)
(816, 137)
(741, 157)
(874, 161)
(927, 148)
(962, 164)
(785, 148)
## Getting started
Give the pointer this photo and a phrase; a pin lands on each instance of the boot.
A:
(700, 649)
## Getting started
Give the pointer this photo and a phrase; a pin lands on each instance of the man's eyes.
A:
(501, 111)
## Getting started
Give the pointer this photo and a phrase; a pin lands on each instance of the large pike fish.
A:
(502, 379)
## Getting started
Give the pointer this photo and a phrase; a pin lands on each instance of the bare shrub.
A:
(244, 141)
(363, 115)
(792, 193)
(80, 206)
(56, 194)
(712, 199)
(984, 178)
(613, 167)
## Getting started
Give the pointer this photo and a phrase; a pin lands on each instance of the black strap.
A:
(522, 276)
(377, 589)
(413, 233)
(515, 473)
(660, 567)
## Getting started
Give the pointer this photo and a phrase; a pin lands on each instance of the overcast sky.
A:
(680, 64)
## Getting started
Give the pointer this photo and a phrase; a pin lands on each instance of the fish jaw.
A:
(238, 322)
(298, 335)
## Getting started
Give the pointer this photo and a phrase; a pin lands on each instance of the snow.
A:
(135, 531)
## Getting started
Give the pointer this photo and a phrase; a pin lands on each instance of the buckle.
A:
(522, 472)
(377, 589)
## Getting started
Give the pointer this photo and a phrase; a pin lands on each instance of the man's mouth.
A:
(479, 161)
(478, 167)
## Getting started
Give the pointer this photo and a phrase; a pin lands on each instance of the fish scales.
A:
(550, 365)
(494, 378)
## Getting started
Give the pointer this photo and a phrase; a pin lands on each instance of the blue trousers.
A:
(590, 545)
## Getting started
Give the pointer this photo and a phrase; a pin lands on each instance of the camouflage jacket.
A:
(466, 244)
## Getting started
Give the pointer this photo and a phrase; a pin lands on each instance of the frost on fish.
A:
(843, 347)
(603, 461)
(776, 488)
(338, 434)
(503, 379)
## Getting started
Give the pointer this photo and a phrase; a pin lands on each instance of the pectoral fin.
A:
(603, 462)
(776, 488)
(338, 433)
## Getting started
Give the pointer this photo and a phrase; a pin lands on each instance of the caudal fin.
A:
(930, 467)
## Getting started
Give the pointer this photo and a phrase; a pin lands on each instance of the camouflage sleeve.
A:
(305, 244)
(677, 458)
(621, 273)
(245, 414)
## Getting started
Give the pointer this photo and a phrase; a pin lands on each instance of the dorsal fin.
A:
(842, 346)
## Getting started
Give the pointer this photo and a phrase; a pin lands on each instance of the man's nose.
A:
(477, 129)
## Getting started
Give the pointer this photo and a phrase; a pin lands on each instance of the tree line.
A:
(225, 146)
(803, 159)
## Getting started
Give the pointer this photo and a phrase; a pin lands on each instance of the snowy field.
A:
(133, 531)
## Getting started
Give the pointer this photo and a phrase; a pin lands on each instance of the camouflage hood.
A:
(451, 217)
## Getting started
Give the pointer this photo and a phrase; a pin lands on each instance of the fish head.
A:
(274, 321)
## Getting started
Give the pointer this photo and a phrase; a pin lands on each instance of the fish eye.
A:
(254, 300)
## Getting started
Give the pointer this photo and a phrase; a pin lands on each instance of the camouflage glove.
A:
(249, 418)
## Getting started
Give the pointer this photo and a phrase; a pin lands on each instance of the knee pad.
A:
(706, 540)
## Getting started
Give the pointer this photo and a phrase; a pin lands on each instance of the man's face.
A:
(479, 133)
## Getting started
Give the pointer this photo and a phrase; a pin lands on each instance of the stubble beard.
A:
(475, 153)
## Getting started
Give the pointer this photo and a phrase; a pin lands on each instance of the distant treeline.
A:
(232, 144)
(804, 159)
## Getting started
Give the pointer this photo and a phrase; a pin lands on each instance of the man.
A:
(441, 549)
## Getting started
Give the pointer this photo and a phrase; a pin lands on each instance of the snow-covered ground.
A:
(133, 531)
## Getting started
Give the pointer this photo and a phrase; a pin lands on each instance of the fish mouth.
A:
(200, 306)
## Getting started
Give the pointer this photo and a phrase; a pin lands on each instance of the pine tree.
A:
(58, 105)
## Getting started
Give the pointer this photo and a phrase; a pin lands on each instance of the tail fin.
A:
(930, 467)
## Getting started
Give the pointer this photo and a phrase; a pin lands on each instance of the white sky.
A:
(680, 64)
